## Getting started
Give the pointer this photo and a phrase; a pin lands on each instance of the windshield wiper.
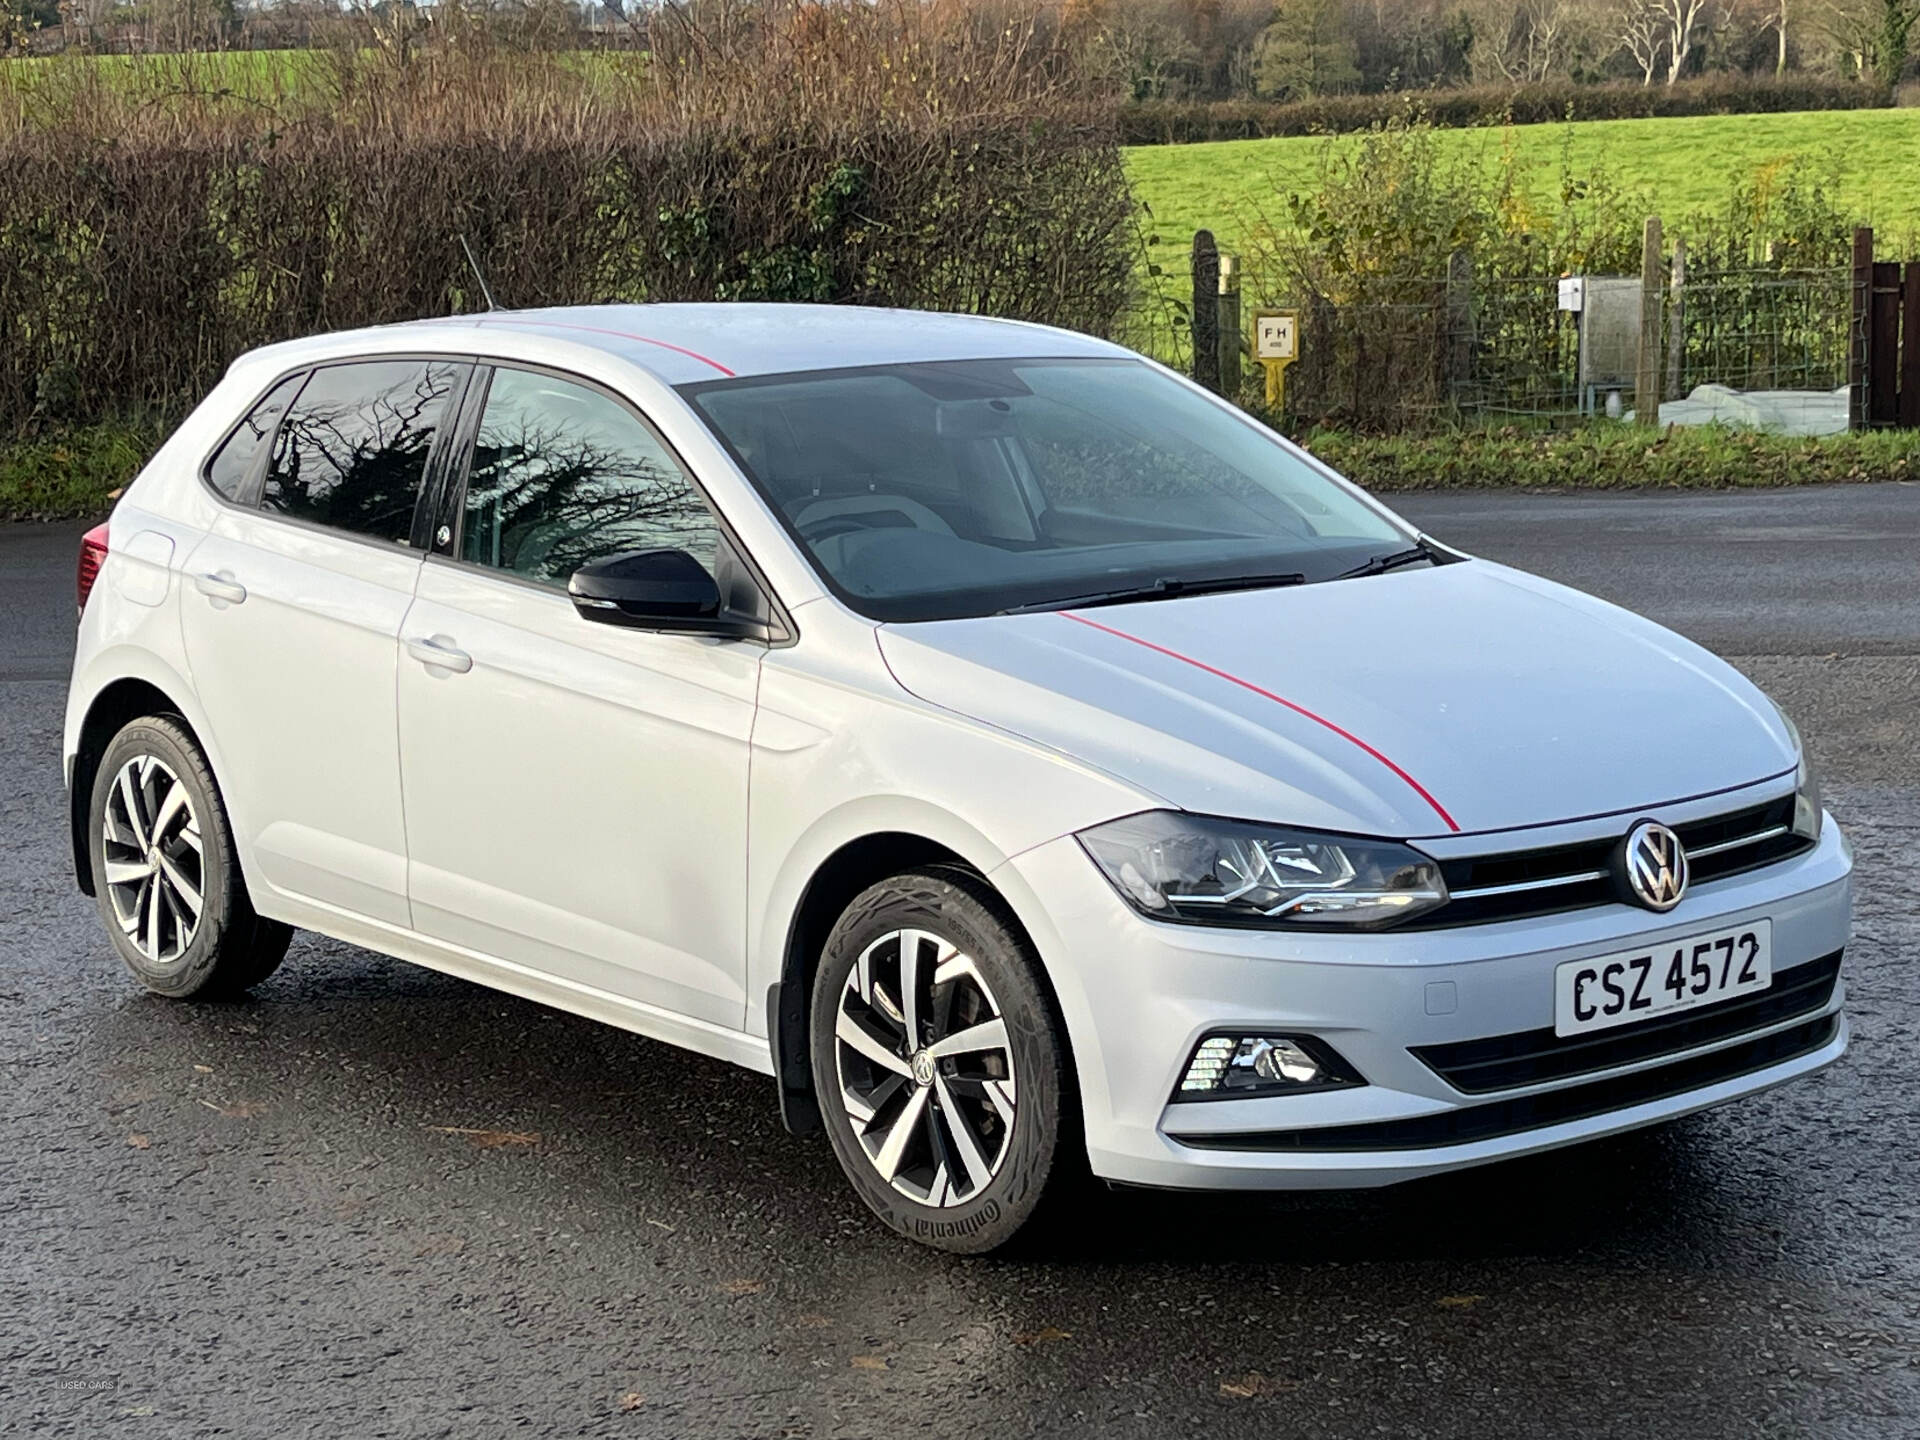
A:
(1166, 588)
(1380, 564)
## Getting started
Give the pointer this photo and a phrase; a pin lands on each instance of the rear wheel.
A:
(939, 1066)
(165, 875)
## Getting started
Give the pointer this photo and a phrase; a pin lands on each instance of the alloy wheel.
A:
(154, 867)
(925, 1067)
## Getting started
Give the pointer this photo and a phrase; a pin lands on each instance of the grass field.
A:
(1684, 165)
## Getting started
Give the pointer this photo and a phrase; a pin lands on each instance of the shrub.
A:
(1180, 123)
(1427, 280)
(860, 156)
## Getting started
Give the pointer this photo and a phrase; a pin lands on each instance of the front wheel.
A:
(939, 1066)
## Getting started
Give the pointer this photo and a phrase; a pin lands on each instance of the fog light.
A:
(1283, 1060)
(1239, 1066)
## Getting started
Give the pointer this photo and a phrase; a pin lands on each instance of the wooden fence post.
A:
(1860, 336)
(1883, 354)
(1456, 355)
(1910, 351)
(1228, 322)
(1676, 321)
(1206, 310)
(1646, 372)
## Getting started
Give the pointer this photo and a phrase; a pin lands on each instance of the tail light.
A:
(93, 554)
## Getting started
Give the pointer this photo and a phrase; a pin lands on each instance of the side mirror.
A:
(652, 590)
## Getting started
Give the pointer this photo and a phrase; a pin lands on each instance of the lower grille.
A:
(1536, 1112)
(1531, 1057)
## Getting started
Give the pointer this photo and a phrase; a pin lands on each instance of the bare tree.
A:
(1524, 41)
(1641, 31)
(1776, 21)
(1685, 23)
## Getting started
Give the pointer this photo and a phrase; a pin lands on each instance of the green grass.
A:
(1686, 165)
(71, 474)
(286, 82)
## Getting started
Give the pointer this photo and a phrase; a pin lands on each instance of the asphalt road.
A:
(268, 1218)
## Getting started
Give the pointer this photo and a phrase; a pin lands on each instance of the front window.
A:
(563, 475)
(949, 489)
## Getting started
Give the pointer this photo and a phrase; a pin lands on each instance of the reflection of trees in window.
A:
(547, 493)
(232, 465)
(353, 450)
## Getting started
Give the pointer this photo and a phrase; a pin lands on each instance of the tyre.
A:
(939, 1063)
(165, 875)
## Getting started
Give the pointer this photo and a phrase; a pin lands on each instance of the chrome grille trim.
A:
(1739, 841)
(1547, 884)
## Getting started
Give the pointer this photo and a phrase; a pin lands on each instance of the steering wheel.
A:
(823, 519)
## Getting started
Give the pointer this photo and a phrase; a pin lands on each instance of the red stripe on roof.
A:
(622, 334)
(1344, 734)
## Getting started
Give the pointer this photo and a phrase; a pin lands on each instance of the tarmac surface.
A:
(373, 1200)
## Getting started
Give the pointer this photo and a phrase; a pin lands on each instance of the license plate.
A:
(1610, 990)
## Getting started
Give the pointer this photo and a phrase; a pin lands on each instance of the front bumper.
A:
(1139, 995)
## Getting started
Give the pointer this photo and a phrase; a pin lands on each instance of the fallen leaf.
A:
(1249, 1386)
(743, 1287)
(489, 1139)
(1458, 1302)
(1041, 1336)
(139, 1142)
(868, 1362)
(632, 1400)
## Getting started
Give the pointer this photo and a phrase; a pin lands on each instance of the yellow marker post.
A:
(1276, 345)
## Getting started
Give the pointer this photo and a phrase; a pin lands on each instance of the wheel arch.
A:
(835, 881)
(116, 704)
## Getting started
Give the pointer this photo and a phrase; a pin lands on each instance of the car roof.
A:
(687, 343)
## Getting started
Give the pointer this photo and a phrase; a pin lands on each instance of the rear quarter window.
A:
(235, 464)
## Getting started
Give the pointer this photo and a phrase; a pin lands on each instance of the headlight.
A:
(1229, 872)
(1806, 800)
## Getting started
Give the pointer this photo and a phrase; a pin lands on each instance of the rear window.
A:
(352, 451)
(232, 468)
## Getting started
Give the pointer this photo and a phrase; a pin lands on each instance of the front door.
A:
(576, 792)
(291, 616)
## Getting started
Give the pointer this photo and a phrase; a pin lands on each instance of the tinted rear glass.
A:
(352, 451)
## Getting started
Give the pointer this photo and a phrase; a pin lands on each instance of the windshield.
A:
(949, 489)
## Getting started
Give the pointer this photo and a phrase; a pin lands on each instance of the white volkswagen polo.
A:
(1024, 757)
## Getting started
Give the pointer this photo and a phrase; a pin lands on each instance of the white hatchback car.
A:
(1023, 756)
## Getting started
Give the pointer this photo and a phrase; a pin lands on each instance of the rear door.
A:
(576, 792)
(292, 615)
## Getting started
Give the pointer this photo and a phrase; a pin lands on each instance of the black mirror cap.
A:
(654, 590)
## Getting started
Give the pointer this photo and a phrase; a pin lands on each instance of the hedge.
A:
(1616, 456)
(865, 156)
(1185, 122)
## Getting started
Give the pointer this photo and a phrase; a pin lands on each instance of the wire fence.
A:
(1391, 354)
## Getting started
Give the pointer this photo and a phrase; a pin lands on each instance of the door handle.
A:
(220, 587)
(440, 653)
